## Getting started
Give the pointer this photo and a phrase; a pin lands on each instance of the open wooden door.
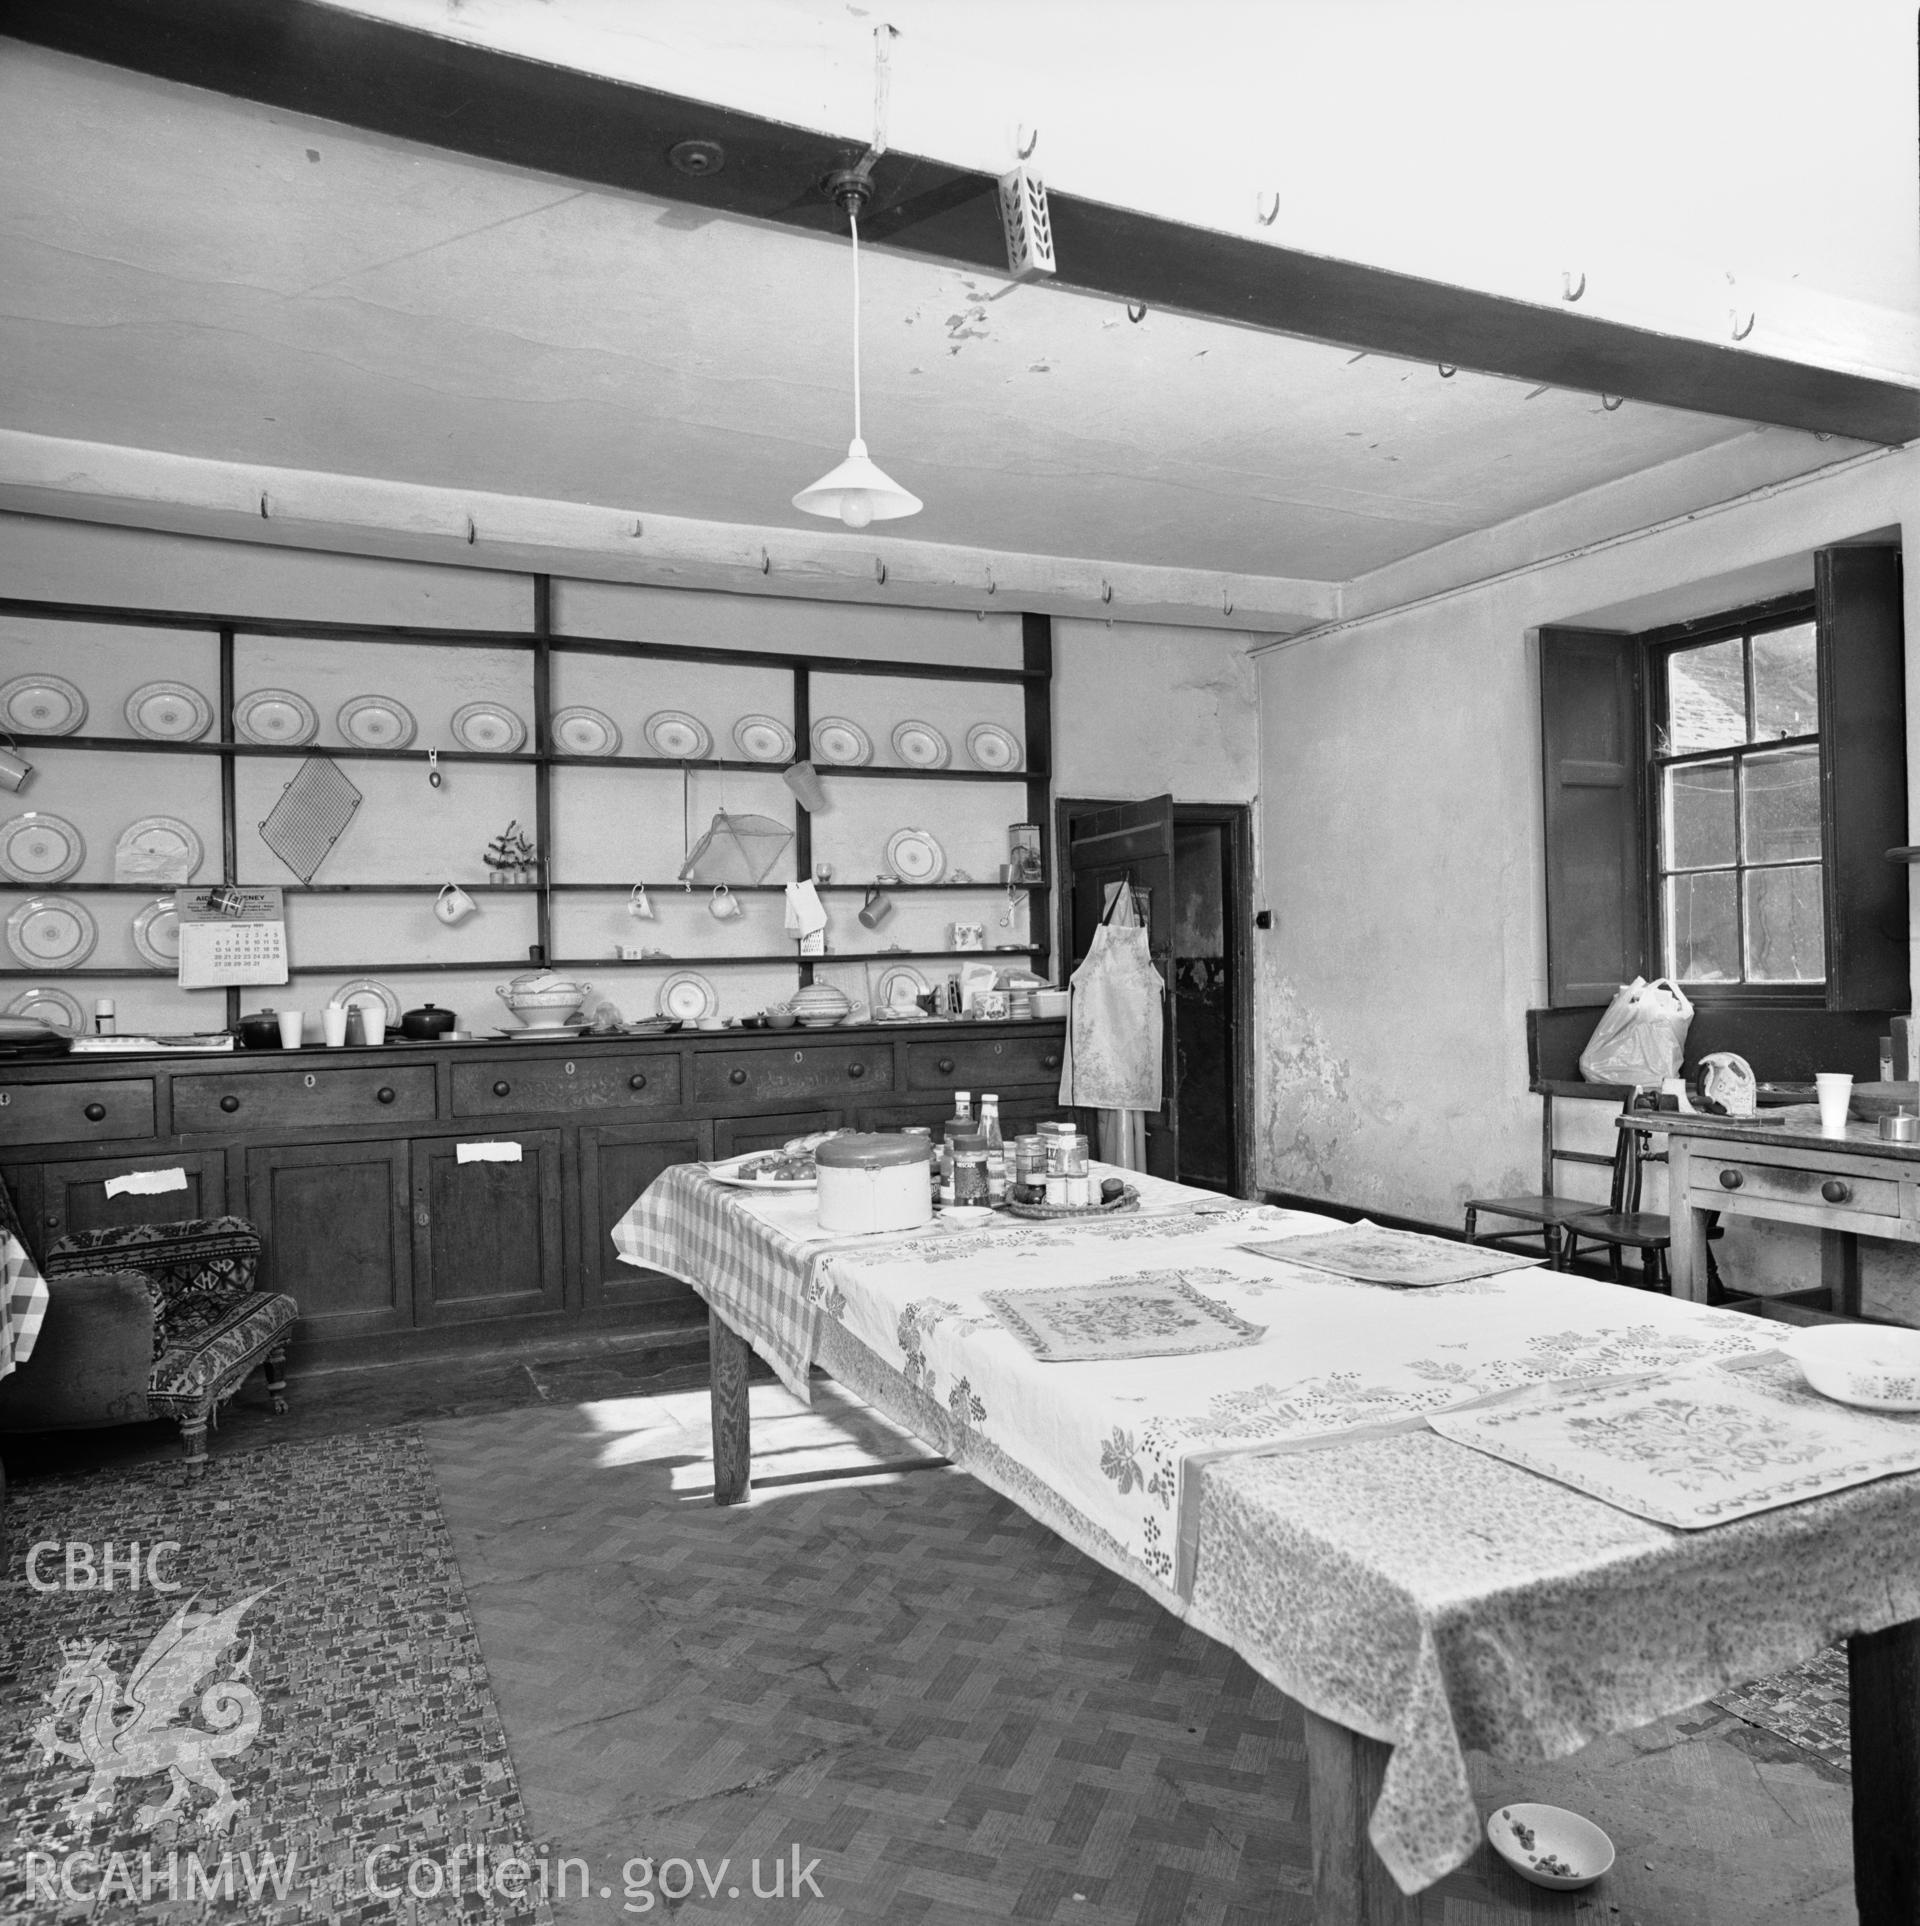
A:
(1104, 848)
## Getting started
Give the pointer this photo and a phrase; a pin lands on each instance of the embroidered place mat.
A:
(1156, 1315)
(1371, 1254)
(1692, 1448)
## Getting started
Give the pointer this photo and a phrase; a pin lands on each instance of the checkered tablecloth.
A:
(23, 1302)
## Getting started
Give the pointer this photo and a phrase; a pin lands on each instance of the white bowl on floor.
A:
(1874, 1366)
(1550, 1846)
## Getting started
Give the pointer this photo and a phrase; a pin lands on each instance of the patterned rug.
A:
(1807, 1705)
(295, 1725)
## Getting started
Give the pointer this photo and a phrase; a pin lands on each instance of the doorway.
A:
(1191, 868)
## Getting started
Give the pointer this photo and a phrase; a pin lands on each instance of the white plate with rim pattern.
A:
(160, 839)
(43, 705)
(763, 739)
(489, 728)
(169, 712)
(914, 857)
(581, 731)
(40, 848)
(366, 990)
(376, 722)
(688, 995)
(884, 1000)
(156, 933)
(51, 933)
(277, 717)
(921, 746)
(991, 747)
(838, 740)
(678, 736)
(55, 1008)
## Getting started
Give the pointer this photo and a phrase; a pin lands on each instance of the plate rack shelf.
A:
(1030, 784)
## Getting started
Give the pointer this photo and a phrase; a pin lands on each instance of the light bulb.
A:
(856, 508)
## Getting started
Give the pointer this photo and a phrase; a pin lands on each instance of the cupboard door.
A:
(74, 1196)
(735, 1136)
(333, 1218)
(618, 1162)
(489, 1238)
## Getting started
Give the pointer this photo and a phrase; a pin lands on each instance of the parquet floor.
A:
(949, 1716)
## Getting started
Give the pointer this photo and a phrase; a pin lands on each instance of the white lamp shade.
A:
(858, 492)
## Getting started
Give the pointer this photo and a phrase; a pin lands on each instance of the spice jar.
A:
(1079, 1173)
(969, 1170)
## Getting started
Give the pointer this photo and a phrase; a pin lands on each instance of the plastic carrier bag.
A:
(1642, 1037)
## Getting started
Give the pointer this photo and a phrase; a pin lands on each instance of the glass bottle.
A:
(962, 1118)
(996, 1147)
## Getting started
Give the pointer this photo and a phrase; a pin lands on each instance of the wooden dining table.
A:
(1287, 1495)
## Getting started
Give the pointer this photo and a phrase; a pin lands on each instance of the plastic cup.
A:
(373, 1023)
(333, 1025)
(292, 1023)
(1834, 1088)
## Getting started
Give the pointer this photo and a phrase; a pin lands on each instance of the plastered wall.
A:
(1401, 831)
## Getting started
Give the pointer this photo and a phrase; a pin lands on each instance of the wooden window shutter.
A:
(1863, 775)
(1591, 765)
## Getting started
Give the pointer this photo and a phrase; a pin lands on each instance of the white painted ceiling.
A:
(186, 272)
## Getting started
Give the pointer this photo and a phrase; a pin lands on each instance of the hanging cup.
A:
(638, 907)
(877, 907)
(723, 903)
(14, 767)
(804, 780)
(453, 904)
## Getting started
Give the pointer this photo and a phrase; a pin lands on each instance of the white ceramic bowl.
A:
(1550, 1846)
(965, 1215)
(1876, 1366)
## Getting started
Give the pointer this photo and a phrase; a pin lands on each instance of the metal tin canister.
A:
(1902, 1127)
(874, 1181)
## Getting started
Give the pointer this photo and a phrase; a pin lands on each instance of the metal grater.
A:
(313, 810)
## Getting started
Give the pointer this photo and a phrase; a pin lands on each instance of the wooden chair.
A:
(1624, 1226)
(1546, 1214)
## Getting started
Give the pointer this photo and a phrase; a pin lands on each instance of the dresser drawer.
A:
(1719, 1182)
(815, 1075)
(66, 1113)
(317, 1097)
(595, 1082)
(983, 1063)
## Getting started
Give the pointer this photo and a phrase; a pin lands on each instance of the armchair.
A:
(148, 1321)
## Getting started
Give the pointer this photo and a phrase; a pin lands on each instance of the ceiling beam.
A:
(341, 66)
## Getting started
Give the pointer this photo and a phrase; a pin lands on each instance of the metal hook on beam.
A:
(993, 587)
(1740, 333)
(1447, 370)
(1265, 215)
(1136, 311)
(1025, 140)
(1226, 603)
(473, 534)
(766, 563)
(263, 505)
(1106, 590)
(1568, 292)
(1611, 402)
(880, 571)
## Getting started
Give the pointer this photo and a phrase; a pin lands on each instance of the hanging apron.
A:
(1115, 1021)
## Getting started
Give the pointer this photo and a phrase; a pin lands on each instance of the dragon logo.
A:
(186, 1656)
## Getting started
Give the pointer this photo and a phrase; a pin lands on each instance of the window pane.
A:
(1786, 941)
(1703, 931)
(1786, 693)
(1706, 697)
(1698, 813)
(1780, 796)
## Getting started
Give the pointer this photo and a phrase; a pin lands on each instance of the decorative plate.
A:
(921, 746)
(42, 705)
(275, 716)
(763, 739)
(687, 995)
(493, 728)
(675, 734)
(156, 933)
(39, 848)
(835, 739)
(900, 975)
(51, 933)
(157, 849)
(376, 722)
(55, 1008)
(365, 990)
(169, 712)
(585, 732)
(914, 857)
(991, 747)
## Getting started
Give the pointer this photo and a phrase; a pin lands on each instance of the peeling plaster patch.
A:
(968, 325)
(1038, 367)
(1306, 1106)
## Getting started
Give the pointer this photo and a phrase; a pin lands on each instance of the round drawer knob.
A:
(637, 1081)
(502, 1088)
(945, 1066)
(229, 1104)
(856, 1070)
(1050, 1062)
(1835, 1192)
(384, 1094)
(736, 1076)
(95, 1112)
(1731, 1180)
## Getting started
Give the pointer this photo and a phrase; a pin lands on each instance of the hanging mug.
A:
(638, 906)
(14, 767)
(453, 904)
(877, 907)
(723, 903)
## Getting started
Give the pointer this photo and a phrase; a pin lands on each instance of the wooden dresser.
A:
(349, 1160)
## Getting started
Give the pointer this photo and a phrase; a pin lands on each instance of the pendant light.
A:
(858, 491)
